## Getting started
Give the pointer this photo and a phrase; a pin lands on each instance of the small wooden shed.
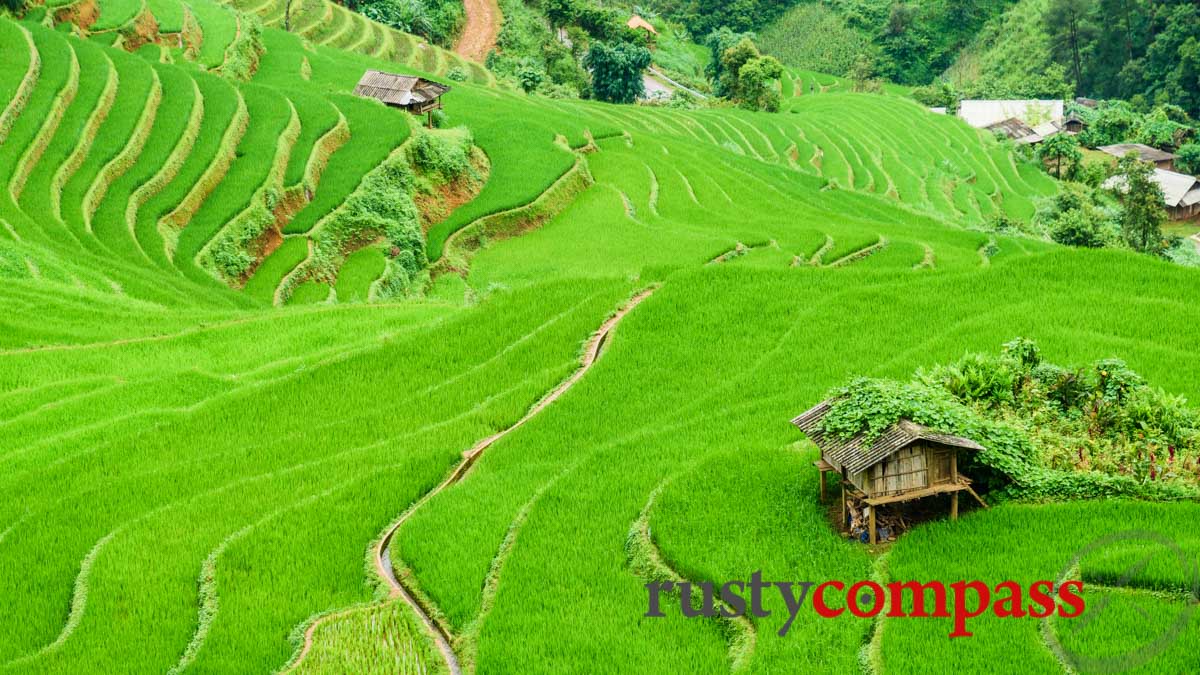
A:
(907, 461)
(1074, 124)
(407, 92)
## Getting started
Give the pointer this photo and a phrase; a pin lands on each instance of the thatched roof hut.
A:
(409, 92)
(907, 461)
(638, 23)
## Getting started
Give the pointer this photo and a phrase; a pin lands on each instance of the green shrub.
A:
(382, 206)
(242, 56)
(444, 155)
(1048, 431)
(1187, 158)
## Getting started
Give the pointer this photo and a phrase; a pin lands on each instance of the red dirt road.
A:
(479, 35)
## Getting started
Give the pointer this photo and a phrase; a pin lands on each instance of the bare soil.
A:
(479, 35)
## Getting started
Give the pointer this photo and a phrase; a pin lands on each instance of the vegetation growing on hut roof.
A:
(1048, 431)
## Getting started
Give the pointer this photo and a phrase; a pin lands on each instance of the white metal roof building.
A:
(983, 113)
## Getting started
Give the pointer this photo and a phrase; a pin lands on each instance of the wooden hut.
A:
(907, 461)
(407, 92)
(1074, 124)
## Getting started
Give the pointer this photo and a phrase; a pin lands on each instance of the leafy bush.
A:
(1187, 158)
(382, 206)
(617, 71)
(1077, 228)
(242, 56)
(940, 94)
(444, 155)
(1048, 431)
(1119, 122)
(1074, 217)
(437, 20)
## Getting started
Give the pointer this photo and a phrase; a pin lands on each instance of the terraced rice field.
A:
(199, 474)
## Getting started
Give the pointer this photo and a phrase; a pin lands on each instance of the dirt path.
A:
(379, 554)
(479, 35)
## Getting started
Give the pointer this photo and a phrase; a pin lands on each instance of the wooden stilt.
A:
(871, 519)
(842, 523)
(822, 486)
(954, 506)
(977, 497)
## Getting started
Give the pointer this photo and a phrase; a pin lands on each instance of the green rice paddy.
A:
(192, 474)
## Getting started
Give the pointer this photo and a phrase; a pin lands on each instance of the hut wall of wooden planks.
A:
(907, 461)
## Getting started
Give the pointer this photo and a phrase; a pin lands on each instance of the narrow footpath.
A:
(382, 561)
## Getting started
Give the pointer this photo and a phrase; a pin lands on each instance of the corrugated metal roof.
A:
(398, 90)
(1012, 127)
(1144, 152)
(853, 456)
(981, 114)
(1177, 188)
(1047, 129)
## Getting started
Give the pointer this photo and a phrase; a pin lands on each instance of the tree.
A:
(1058, 148)
(1141, 224)
(1187, 158)
(719, 42)
(1069, 31)
(747, 77)
(732, 60)
(617, 71)
(560, 12)
(756, 90)
(862, 74)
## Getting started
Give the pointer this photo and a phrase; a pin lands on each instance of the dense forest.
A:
(1145, 51)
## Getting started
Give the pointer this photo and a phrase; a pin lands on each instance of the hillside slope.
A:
(193, 476)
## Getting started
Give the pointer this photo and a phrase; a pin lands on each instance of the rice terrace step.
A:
(418, 336)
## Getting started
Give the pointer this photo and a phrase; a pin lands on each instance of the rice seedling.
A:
(191, 475)
(360, 270)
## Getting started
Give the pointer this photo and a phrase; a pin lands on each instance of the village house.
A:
(907, 461)
(1159, 158)
(407, 92)
(1024, 122)
(982, 114)
(1181, 192)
